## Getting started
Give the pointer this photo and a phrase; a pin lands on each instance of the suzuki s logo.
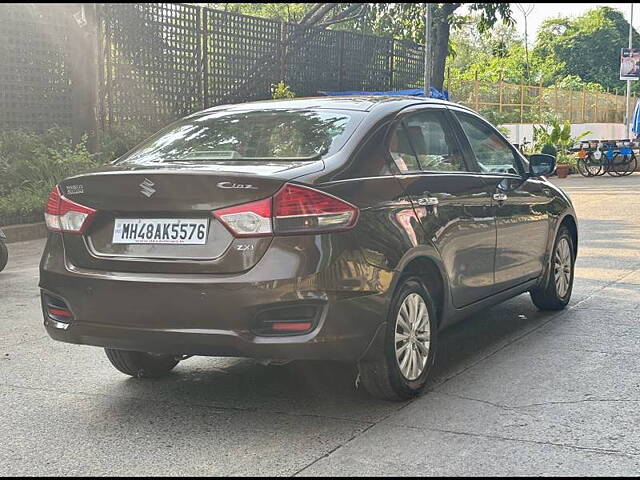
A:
(146, 188)
(236, 186)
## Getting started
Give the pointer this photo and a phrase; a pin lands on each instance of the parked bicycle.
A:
(625, 162)
(615, 158)
(587, 164)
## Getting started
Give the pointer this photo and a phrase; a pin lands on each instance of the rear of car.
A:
(201, 241)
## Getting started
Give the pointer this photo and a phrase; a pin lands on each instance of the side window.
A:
(402, 152)
(492, 153)
(434, 143)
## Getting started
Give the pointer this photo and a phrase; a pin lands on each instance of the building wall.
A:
(521, 132)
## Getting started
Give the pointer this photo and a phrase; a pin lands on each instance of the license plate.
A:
(183, 231)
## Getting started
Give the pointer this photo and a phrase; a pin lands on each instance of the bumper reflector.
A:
(292, 319)
(291, 326)
(56, 312)
(59, 312)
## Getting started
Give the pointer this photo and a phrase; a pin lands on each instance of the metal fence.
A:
(506, 102)
(152, 62)
(163, 61)
(35, 80)
(160, 61)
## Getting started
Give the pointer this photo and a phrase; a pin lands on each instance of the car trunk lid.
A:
(184, 195)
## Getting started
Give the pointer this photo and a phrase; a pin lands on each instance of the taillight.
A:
(298, 209)
(63, 215)
(294, 209)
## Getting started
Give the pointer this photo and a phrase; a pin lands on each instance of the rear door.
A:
(520, 206)
(452, 202)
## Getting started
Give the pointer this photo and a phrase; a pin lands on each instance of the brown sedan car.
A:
(350, 229)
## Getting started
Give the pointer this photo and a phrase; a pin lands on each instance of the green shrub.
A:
(549, 149)
(281, 90)
(23, 202)
(555, 135)
(32, 163)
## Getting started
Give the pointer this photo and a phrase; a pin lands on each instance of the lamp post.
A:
(627, 116)
(427, 49)
(526, 10)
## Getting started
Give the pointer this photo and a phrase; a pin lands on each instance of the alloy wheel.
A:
(412, 336)
(562, 267)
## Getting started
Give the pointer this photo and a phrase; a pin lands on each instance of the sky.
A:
(542, 11)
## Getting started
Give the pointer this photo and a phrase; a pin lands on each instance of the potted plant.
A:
(563, 164)
(557, 141)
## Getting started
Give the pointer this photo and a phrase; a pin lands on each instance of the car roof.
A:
(363, 103)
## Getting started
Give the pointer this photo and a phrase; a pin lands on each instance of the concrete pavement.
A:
(516, 391)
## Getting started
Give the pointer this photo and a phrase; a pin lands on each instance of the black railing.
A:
(160, 61)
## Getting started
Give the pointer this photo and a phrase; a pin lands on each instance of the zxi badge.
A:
(146, 188)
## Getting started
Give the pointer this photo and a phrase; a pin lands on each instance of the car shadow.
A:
(323, 387)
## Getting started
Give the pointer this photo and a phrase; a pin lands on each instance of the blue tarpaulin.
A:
(635, 125)
(412, 92)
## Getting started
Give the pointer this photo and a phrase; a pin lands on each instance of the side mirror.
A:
(541, 164)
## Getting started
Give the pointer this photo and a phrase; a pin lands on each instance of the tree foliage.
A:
(574, 53)
(287, 12)
(317, 15)
(497, 53)
(400, 20)
(407, 20)
(586, 47)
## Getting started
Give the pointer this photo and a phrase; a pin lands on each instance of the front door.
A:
(520, 206)
(452, 202)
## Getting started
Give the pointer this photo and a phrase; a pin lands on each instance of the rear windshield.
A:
(255, 135)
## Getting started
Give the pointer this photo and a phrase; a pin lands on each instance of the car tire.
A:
(141, 364)
(386, 377)
(4, 255)
(556, 292)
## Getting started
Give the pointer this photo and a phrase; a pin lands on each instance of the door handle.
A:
(500, 197)
(428, 201)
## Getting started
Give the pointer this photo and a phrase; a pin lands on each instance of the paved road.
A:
(516, 391)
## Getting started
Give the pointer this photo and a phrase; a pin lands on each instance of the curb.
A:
(22, 233)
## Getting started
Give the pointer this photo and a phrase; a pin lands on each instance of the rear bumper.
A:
(216, 315)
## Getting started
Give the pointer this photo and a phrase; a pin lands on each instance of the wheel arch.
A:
(427, 265)
(570, 222)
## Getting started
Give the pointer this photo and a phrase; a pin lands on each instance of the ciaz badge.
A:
(236, 185)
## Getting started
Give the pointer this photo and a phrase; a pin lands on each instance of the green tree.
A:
(401, 20)
(287, 12)
(496, 53)
(407, 20)
(586, 47)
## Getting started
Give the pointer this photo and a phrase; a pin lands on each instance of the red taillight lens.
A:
(63, 215)
(293, 210)
(298, 209)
